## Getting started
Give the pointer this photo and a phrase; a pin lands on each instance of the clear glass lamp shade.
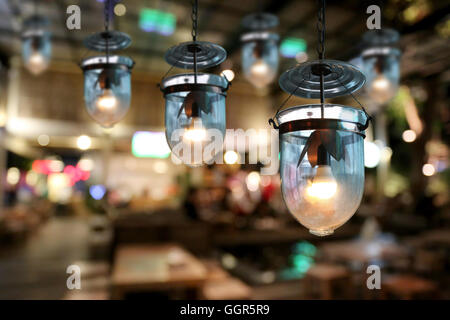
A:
(383, 74)
(107, 90)
(260, 60)
(195, 116)
(323, 189)
(36, 52)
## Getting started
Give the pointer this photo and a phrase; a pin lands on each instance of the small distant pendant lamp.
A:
(381, 64)
(36, 43)
(260, 49)
(322, 150)
(195, 102)
(107, 78)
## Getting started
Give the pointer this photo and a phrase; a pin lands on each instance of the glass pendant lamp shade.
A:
(195, 102)
(195, 116)
(107, 88)
(260, 57)
(322, 149)
(381, 64)
(322, 164)
(36, 45)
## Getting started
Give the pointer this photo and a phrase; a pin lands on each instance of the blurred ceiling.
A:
(424, 25)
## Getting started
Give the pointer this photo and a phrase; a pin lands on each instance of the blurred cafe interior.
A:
(338, 188)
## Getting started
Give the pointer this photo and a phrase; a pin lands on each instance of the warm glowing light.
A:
(160, 167)
(259, 68)
(55, 165)
(385, 154)
(31, 178)
(409, 136)
(381, 89)
(120, 9)
(107, 101)
(36, 63)
(228, 74)
(428, 170)
(43, 140)
(372, 154)
(86, 164)
(13, 176)
(253, 180)
(84, 142)
(231, 157)
(195, 132)
(260, 74)
(324, 185)
(381, 83)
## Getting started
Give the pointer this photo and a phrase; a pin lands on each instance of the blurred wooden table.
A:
(327, 277)
(408, 287)
(140, 268)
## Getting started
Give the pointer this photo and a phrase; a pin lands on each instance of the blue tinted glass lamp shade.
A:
(260, 49)
(107, 78)
(36, 45)
(107, 88)
(195, 103)
(322, 149)
(381, 64)
(195, 115)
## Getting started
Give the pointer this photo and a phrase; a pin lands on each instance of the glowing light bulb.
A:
(195, 132)
(36, 63)
(259, 68)
(107, 101)
(381, 89)
(324, 185)
(381, 83)
(261, 74)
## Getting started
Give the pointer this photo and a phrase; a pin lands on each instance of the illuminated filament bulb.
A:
(107, 101)
(381, 83)
(381, 89)
(36, 63)
(195, 132)
(260, 68)
(324, 184)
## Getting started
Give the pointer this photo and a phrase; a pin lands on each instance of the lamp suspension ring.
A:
(107, 40)
(339, 79)
(260, 21)
(208, 55)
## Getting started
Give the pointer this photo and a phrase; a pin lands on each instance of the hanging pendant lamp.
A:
(381, 64)
(260, 49)
(107, 78)
(195, 102)
(322, 150)
(36, 43)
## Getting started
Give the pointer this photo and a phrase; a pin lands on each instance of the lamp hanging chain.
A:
(106, 24)
(194, 17)
(321, 28)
